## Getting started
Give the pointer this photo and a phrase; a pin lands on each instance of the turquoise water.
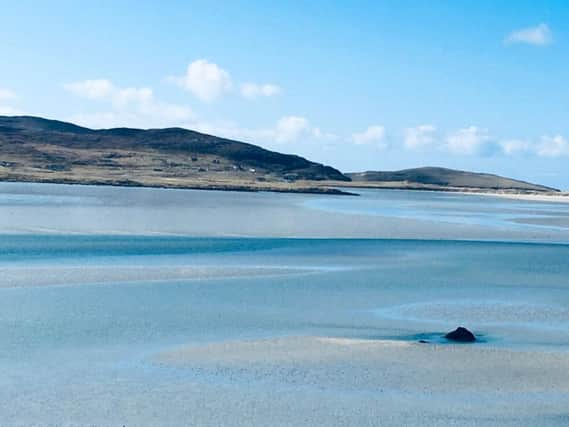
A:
(83, 316)
(352, 288)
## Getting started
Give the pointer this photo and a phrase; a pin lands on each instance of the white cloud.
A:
(129, 106)
(553, 146)
(539, 35)
(512, 147)
(252, 90)
(475, 141)
(208, 82)
(319, 134)
(290, 129)
(547, 146)
(421, 137)
(91, 89)
(105, 90)
(471, 141)
(205, 80)
(294, 128)
(374, 134)
(287, 130)
(7, 94)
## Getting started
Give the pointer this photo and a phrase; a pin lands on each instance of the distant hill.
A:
(37, 149)
(437, 178)
(33, 149)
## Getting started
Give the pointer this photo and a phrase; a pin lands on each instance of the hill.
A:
(444, 179)
(41, 150)
(34, 149)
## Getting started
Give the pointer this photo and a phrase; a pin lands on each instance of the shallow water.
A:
(65, 209)
(451, 208)
(89, 305)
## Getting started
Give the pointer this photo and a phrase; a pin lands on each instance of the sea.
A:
(136, 307)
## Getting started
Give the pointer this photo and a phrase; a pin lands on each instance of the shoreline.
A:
(316, 189)
(445, 189)
(515, 194)
(547, 198)
(333, 188)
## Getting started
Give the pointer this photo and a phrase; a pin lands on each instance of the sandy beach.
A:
(114, 298)
(546, 197)
(390, 381)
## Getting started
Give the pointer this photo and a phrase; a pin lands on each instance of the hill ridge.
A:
(34, 148)
(447, 177)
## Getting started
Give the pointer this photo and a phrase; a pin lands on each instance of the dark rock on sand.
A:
(461, 334)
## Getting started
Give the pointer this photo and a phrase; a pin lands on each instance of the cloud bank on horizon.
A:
(393, 99)
(208, 82)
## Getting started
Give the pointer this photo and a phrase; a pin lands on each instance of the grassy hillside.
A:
(441, 177)
(36, 149)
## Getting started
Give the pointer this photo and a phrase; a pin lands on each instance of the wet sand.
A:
(279, 332)
(65, 209)
(390, 382)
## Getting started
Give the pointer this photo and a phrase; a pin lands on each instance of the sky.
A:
(359, 85)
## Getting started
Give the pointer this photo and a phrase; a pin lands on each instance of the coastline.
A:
(334, 188)
(515, 194)
(213, 186)
(546, 197)
(232, 330)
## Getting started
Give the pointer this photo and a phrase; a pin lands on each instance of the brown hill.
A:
(433, 177)
(37, 149)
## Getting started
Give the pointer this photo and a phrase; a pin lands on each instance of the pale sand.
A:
(392, 364)
(310, 381)
(552, 198)
(384, 382)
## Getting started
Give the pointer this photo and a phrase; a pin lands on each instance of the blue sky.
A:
(480, 85)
